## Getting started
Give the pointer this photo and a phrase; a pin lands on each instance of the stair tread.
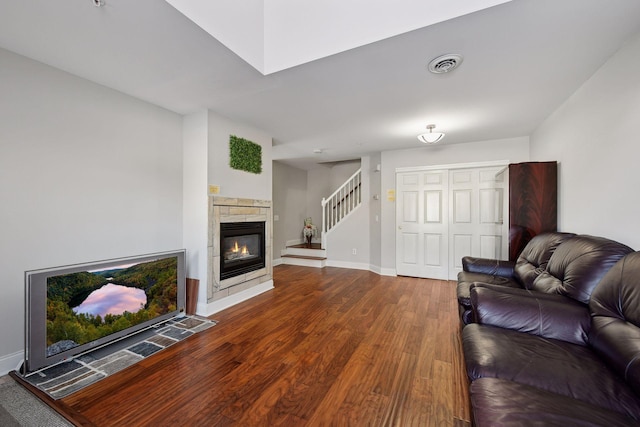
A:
(304, 257)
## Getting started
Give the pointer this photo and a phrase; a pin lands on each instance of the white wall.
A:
(353, 231)
(318, 186)
(289, 203)
(206, 162)
(233, 182)
(375, 212)
(341, 172)
(512, 150)
(594, 136)
(195, 135)
(86, 173)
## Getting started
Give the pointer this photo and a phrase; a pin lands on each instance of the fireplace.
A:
(242, 248)
(227, 215)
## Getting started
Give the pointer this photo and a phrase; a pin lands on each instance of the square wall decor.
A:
(245, 155)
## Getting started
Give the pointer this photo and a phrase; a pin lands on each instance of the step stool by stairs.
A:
(302, 255)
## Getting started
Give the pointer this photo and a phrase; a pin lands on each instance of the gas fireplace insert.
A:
(242, 248)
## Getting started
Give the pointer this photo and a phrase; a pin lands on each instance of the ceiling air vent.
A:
(445, 63)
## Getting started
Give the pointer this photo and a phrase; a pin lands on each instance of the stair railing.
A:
(341, 203)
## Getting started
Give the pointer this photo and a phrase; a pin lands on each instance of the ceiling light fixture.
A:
(431, 137)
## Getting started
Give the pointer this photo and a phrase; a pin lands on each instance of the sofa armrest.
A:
(548, 316)
(494, 267)
(518, 291)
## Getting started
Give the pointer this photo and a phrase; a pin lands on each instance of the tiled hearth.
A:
(226, 209)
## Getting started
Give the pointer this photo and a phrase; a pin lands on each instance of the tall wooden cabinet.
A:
(533, 202)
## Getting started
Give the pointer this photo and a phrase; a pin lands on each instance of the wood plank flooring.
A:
(326, 347)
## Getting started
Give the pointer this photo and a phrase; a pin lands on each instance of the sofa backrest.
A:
(615, 319)
(535, 256)
(578, 265)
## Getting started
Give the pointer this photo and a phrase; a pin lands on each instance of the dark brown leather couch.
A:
(540, 358)
(553, 263)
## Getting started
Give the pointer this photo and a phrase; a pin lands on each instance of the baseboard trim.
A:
(346, 264)
(11, 362)
(216, 306)
(374, 269)
(293, 242)
(355, 266)
(388, 272)
(300, 241)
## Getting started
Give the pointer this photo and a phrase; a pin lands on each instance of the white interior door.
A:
(421, 224)
(476, 216)
(443, 215)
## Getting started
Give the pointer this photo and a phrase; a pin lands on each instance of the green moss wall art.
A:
(245, 155)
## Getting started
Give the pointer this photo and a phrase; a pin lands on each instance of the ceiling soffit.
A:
(273, 35)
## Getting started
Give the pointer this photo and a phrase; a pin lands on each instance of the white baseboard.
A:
(207, 310)
(346, 264)
(375, 269)
(294, 242)
(388, 272)
(11, 362)
(355, 266)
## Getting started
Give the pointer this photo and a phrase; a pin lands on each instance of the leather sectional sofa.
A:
(520, 275)
(555, 341)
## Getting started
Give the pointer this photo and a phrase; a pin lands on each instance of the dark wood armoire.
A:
(533, 202)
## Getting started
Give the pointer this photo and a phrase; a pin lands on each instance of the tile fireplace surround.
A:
(226, 209)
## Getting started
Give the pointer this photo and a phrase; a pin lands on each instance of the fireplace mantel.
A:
(224, 210)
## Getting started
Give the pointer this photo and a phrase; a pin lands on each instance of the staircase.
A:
(335, 209)
(341, 203)
(302, 255)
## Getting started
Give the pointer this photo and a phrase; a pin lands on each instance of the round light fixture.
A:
(445, 63)
(431, 137)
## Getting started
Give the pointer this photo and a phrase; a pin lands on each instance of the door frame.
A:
(503, 163)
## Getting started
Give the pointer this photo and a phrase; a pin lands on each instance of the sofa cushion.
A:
(556, 366)
(535, 256)
(498, 402)
(615, 311)
(578, 265)
(548, 315)
(531, 262)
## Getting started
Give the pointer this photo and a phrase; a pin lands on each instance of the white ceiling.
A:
(522, 59)
(280, 34)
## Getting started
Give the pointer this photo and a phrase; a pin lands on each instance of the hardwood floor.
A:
(326, 347)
